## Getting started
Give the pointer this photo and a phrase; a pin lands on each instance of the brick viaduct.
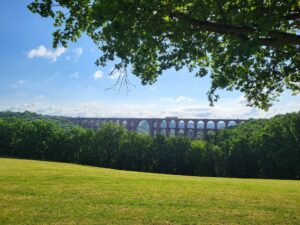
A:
(167, 126)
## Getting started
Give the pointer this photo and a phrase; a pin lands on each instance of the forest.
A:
(258, 148)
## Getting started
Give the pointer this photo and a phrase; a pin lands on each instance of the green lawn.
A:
(37, 192)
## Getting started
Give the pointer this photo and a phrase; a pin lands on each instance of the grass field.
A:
(36, 192)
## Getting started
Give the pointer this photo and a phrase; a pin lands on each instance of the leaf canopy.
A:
(248, 45)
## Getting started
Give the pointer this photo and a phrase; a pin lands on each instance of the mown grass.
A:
(37, 192)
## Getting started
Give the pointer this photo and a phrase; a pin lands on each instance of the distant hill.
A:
(31, 116)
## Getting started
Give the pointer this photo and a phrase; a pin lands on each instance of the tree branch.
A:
(293, 16)
(275, 38)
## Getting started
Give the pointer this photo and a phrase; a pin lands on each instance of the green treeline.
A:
(263, 148)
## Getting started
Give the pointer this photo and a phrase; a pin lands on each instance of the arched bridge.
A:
(166, 126)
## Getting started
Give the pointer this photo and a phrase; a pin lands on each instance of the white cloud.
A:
(39, 97)
(75, 75)
(78, 51)
(42, 52)
(242, 100)
(152, 89)
(184, 99)
(226, 109)
(74, 54)
(178, 99)
(97, 75)
(115, 76)
(19, 83)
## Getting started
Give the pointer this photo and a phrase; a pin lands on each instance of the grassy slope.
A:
(36, 192)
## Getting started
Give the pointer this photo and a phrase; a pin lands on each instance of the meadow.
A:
(40, 192)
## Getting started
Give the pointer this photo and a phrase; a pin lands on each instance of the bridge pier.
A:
(171, 125)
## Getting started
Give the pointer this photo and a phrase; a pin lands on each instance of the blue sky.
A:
(36, 77)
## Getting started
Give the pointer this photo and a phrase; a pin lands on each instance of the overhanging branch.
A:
(274, 38)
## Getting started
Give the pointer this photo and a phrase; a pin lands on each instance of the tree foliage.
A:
(257, 148)
(251, 45)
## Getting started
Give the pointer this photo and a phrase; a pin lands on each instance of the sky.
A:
(66, 82)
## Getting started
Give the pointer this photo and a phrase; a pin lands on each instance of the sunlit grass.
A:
(37, 192)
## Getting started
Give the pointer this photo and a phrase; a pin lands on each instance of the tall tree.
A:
(248, 45)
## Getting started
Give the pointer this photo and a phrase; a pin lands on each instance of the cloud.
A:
(102, 109)
(20, 83)
(234, 108)
(78, 51)
(242, 100)
(227, 109)
(97, 75)
(39, 97)
(75, 76)
(152, 89)
(75, 54)
(83, 109)
(178, 99)
(42, 52)
(184, 99)
(53, 77)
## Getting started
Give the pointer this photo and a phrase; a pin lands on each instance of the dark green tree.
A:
(106, 144)
(263, 148)
(251, 46)
(6, 135)
(136, 152)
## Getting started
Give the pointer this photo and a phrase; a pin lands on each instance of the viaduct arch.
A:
(168, 126)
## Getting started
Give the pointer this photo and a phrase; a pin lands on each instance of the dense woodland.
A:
(262, 148)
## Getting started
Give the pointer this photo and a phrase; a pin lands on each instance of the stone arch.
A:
(221, 125)
(143, 127)
(163, 124)
(163, 131)
(190, 124)
(181, 132)
(200, 125)
(97, 123)
(211, 132)
(200, 134)
(172, 124)
(172, 132)
(211, 125)
(190, 133)
(154, 132)
(232, 123)
(181, 124)
(92, 124)
(124, 123)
